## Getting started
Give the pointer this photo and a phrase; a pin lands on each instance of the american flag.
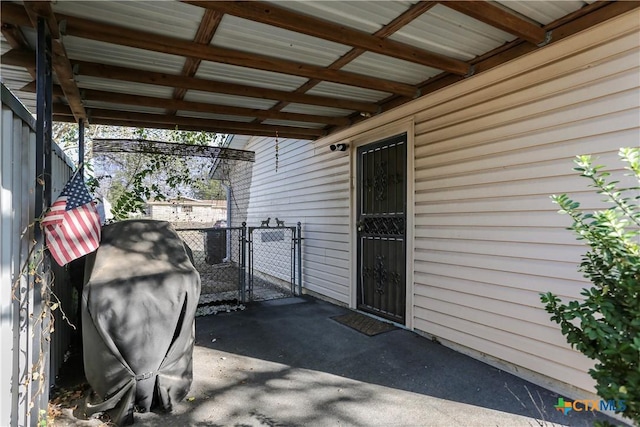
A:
(72, 225)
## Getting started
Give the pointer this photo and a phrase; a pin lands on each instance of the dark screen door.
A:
(381, 219)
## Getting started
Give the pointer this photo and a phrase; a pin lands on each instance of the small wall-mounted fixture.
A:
(338, 147)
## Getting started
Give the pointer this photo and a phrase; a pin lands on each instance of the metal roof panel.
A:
(543, 11)
(337, 90)
(122, 56)
(386, 67)
(315, 110)
(119, 86)
(247, 76)
(231, 100)
(211, 116)
(170, 18)
(367, 16)
(255, 37)
(123, 107)
(448, 32)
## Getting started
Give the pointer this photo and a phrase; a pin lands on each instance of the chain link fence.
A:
(272, 262)
(244, 264)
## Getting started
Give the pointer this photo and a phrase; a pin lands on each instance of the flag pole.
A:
(80, 143)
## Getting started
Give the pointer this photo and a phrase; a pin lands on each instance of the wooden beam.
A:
(584, 18)
(108, 33)
(497, 17)
(400, 21)
(25, 58)
(148, 77)
(202, 107)
(225, 126)
(17, 40)
(271, 14)
(95, 30)
(14, 14)
(207, 28)
(204, 126)
(60, 61)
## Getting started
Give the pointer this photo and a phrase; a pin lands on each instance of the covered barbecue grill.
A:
(138, 309)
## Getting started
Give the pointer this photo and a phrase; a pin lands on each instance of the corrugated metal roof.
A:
(279, 58)
(122, 56)
(338, 90)
(448, 32)
(231, 100)
(543, 11)
(248, 36)
(168, 18)
(119, 86)
(214, 116)
(367, 16)
(388, 68)
(124, 107)
(315, 110)
(243, 75)
(293, 124)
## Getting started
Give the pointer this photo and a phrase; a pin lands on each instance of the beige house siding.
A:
(487, 239)
(311, 186)
(487, 153)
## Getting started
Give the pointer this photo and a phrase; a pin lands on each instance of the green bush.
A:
(605, 325)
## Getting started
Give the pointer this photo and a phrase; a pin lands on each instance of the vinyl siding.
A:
(488, 239)
(487, 154)
(311, 186)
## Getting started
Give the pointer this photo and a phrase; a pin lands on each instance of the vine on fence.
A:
(36, 273)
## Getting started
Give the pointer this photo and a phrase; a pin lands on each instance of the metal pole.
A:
(243, 262)
(299, 238)
(81, 145)
(39, 334)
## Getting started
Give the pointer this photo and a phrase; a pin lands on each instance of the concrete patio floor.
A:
(287, 363)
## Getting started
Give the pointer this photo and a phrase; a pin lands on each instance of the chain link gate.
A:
(273, 262)
(243, 264)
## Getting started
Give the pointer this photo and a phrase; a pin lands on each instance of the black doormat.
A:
(365, 324)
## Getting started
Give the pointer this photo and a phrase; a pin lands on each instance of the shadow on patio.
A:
(287, 363)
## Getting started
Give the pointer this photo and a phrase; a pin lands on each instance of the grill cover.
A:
(138, 309)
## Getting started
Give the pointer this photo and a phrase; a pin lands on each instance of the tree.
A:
(129, 180)
(605, 325)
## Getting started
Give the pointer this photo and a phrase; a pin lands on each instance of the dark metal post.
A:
(299, 240)
(40, 330)
(243, 262)
(81, 145)
(44, 87)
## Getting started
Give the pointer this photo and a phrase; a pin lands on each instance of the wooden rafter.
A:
(586, 17)
(202, 126)
(276, 16)
(499, 18)
(201, 107)
(25, 58)
(403, 19)
(207, 28)
(113, 105)
(114, 34)
(60, 61)
(396, 24)
(224, 126)
(17, 41)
